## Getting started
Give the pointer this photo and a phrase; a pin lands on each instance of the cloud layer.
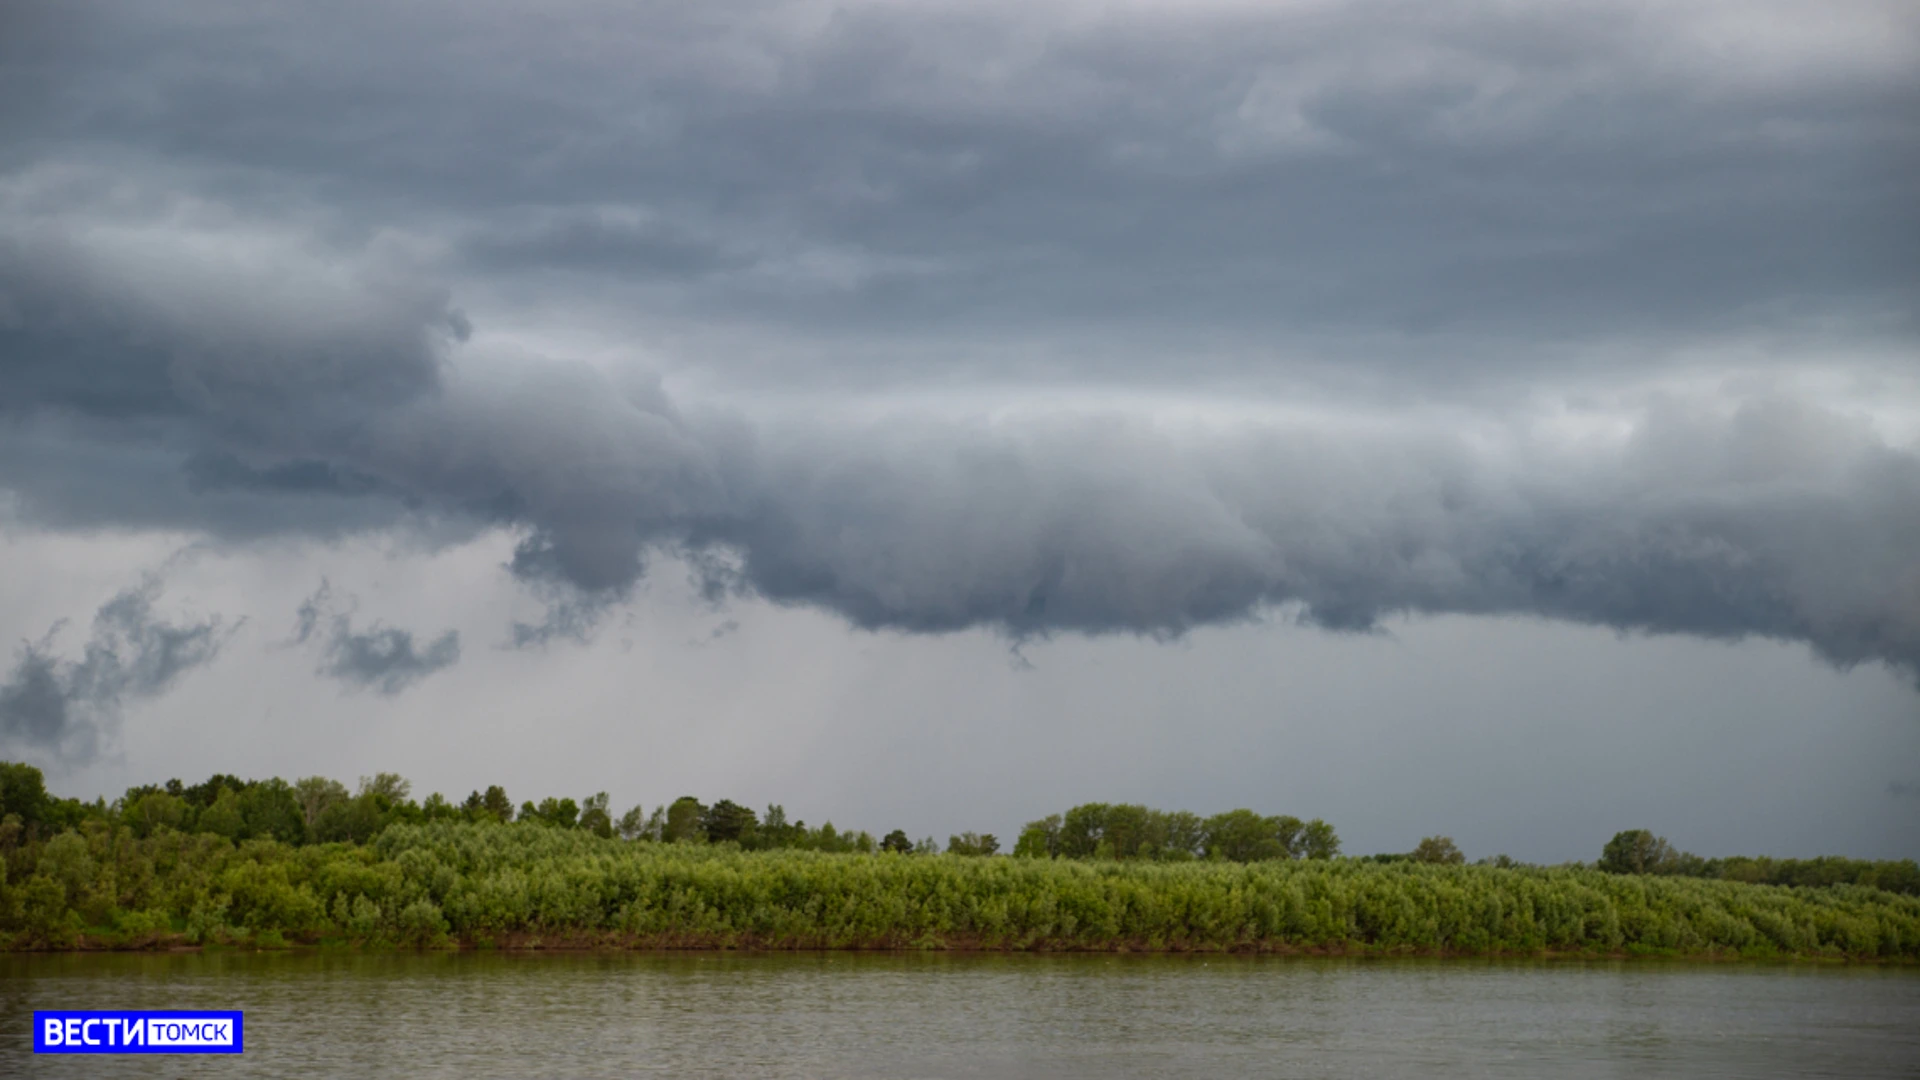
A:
(1762, 515)
(380, 658)
(1435, 193)
(628, 281)
(68, 707)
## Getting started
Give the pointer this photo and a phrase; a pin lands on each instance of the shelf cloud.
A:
(1761, 515)
(1041, 318)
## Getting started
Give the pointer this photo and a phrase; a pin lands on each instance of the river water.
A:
(481, 1016)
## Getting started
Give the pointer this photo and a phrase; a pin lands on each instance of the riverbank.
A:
(524, 886)
(613, 942)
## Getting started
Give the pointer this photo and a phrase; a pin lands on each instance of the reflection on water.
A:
(480, 1016)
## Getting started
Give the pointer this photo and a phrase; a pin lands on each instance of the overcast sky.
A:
(1482, 418)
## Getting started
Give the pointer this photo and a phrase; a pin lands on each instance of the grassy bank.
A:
(518, 885)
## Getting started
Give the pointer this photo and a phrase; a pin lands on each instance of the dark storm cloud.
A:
(121, 321)
(68, 706)
(1106, 526)
(224, 472)
(600, 243)
(79, 473)
(139, 363)
(1455, 180)
(1778, 519)
(225, 237)
(380, 658)
(573, 612)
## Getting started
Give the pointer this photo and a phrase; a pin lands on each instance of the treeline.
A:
(319, 810)
(524, 885)
(1639, 851)
(270, 863)
(1130, 831)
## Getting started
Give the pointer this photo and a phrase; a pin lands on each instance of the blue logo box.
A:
(119, 1031)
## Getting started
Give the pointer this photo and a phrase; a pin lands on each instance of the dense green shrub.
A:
(425, 885)
(269, 863)
(1639, 851)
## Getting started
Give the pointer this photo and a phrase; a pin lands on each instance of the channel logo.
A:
(165, 1031)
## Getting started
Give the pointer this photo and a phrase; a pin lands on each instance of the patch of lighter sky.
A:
(1515, 735)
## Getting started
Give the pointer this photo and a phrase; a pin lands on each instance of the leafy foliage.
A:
(267, 863)
(431, 884)
(726, 821)
(1639, 851)
(972, 843)
(1636, 851)
(1131, 831)
(1438, 849)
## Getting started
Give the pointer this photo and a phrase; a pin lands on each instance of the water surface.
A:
(484, 1016)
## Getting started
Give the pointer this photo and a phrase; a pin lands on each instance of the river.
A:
(478, 1016)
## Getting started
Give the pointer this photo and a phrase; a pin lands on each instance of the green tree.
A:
(391, 788)
(1128, 830)
(1081, 830)
(683, 821)
(23, 791)
(224, 817)
(1636, 851)
(971, 843)
(355, 821)
(437, 808)
(1244, 836)
(553, 812)
(152, 810)
(205, 794)
(774, 831)
(67, 860)
(1287, 831)
(897, 841)
(1438, 849)
(271, 808)
(594, 817)
(726, 821)
(1038, 839)
(315, 794)
(1186, 835)
(634, 825)
(1319, 841)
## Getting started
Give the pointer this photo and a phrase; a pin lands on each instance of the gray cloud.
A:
(314, 341)
(380, 658)
(230, 306)
(1424, 191)
(69, 707)
(572, 615)
(1781, 519)
(1101, 526)
(601, 241)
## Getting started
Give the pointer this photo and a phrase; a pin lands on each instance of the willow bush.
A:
(520, 885)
